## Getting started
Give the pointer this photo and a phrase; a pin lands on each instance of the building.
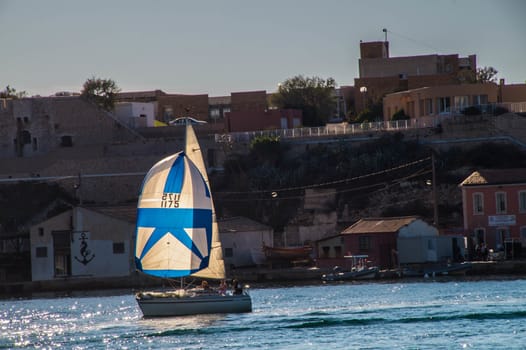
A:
(380, 74)
(441, 100)
(136, 114)
(242, 240)
(453, 99)
(83, 242)
(250, 111)
(375, 237)
(494, 209)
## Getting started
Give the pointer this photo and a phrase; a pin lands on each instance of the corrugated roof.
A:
(495, 177)
(240, 224)
(379, 225)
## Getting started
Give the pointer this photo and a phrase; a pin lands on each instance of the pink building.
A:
(494, 207)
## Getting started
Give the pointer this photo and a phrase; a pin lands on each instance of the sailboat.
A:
(177, 236)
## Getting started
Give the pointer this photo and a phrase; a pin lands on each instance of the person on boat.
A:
(205, 286)
(222, 288)
(236, 288)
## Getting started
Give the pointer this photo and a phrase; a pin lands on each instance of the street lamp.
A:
(363, 91)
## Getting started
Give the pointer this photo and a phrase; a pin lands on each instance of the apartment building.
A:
(494, 208)
(380, 74)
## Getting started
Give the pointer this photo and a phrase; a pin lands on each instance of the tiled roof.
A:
(495, 177)
(379, 225)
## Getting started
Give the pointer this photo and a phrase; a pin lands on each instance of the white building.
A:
(136, 114)
(242, 240)
(83, 242)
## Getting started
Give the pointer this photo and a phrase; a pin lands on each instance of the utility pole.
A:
(434, 180)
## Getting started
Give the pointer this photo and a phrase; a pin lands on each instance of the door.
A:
(62, 253)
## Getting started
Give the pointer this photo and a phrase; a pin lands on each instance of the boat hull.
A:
(157, 306)
(364, 274)
(295, 253)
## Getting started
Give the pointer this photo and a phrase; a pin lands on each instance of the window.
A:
(480, 100)
(35, 144)
(325, 251)
(338, 251)
(168, 113)
(41, 252)
(522, 202)
(443, 104)
(118, 247)
(479, 236)
(66, 141)
(364, 243)
(229, 252)
(40, 231)
(461, 102)
(500, 202)
(428, 106)
(478, 203)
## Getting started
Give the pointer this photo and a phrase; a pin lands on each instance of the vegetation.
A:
(102, 92)
(313, 96)
(486, 75)
(370, 114)
(400, 115)
(10, 92)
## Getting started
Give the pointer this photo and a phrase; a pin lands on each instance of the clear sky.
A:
(217, 47)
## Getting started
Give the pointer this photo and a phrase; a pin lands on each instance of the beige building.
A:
(380, 74)
(453, 99)
(437, 100)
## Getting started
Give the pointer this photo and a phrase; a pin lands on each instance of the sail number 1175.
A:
(170, 200)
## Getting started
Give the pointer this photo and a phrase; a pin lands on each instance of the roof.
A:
(140, 94)
(380, 225)
(124, 213)
(240, 224)
(495, 177)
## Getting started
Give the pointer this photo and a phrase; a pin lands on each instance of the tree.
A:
(313, 96)
(9, 92)
(102, 92)
(486, 75)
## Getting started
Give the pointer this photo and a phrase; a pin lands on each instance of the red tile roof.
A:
(495, 177)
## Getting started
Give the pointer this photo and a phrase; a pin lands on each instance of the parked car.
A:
(184, 120)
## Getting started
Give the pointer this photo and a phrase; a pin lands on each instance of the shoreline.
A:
(480, 270)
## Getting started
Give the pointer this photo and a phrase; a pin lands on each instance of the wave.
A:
(338, 321)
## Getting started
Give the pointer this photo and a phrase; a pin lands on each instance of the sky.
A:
(216, 47)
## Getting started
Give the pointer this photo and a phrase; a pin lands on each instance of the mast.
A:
(216, 267)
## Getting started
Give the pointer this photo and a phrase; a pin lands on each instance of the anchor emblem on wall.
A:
(84, 251)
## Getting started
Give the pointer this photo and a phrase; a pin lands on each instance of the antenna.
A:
(385, 31)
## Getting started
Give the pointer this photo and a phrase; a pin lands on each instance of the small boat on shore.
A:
(287, 253)
(455, 269)
(359, 270)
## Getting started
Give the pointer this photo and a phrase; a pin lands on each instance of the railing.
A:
(333, 129)
(358, 128)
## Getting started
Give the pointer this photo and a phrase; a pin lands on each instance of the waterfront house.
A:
(83, 242)
(375, 237)
(494, 209)
(242, 240)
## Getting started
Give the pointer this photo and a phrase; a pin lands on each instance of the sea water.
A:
(430, 314)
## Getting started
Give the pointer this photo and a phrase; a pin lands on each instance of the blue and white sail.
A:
(174, 219)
